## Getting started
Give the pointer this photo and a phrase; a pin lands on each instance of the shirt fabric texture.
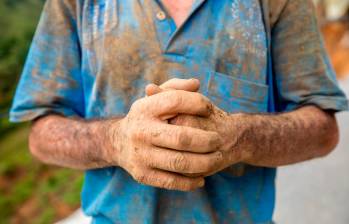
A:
(93, 59)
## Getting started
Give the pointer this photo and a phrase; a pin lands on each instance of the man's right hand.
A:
(157, 153)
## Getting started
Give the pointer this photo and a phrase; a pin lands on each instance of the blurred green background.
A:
(30, 192)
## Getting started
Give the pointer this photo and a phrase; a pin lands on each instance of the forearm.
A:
(72, 143)
(276, 140)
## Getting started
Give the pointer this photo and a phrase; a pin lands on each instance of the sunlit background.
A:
(31, 192)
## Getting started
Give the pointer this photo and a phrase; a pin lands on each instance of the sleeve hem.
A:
(336, 104)
(30, 115)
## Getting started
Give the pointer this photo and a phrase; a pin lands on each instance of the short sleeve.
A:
(51, 78)
(303, 73)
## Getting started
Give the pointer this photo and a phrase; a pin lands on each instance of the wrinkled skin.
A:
(175, 137)
(218, 121)
(180, 132)
(172, 139)
(155, 152)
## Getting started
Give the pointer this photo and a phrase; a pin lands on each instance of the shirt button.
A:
(161, 15)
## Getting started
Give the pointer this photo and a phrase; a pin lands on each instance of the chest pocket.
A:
(242, 49)
(237, 95)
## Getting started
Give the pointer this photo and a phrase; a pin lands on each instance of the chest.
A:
(127, 44)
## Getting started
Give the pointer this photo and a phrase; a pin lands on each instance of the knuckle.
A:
(184, 140)
(140, 177)
(214, 141)
(148, 160)
(179, 163)
(216, 161)
(169, 183)
(205, 103)
(212, 162)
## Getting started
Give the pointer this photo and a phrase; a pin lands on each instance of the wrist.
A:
(243, 135)
(107, 132)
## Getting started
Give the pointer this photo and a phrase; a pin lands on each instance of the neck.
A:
(178, 9)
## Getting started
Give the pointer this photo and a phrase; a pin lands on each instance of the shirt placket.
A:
(165, 26)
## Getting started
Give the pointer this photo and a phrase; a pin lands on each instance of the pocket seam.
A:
(261, 89)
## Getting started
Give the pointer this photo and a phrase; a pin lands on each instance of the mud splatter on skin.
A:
(210, 124)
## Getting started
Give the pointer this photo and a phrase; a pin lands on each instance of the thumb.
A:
(152, 89)
(191, 85)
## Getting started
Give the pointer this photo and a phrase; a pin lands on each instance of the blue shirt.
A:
(92, 59)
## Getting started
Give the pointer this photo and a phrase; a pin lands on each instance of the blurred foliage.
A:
(30, 192)
(18, 19)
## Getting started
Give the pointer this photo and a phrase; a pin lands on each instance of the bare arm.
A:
(152, 151)
(261, 139)
(276, 140)
(270, 140)
(73, 143)
(204, 141)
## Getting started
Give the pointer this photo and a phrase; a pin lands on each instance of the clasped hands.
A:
(175, 137)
